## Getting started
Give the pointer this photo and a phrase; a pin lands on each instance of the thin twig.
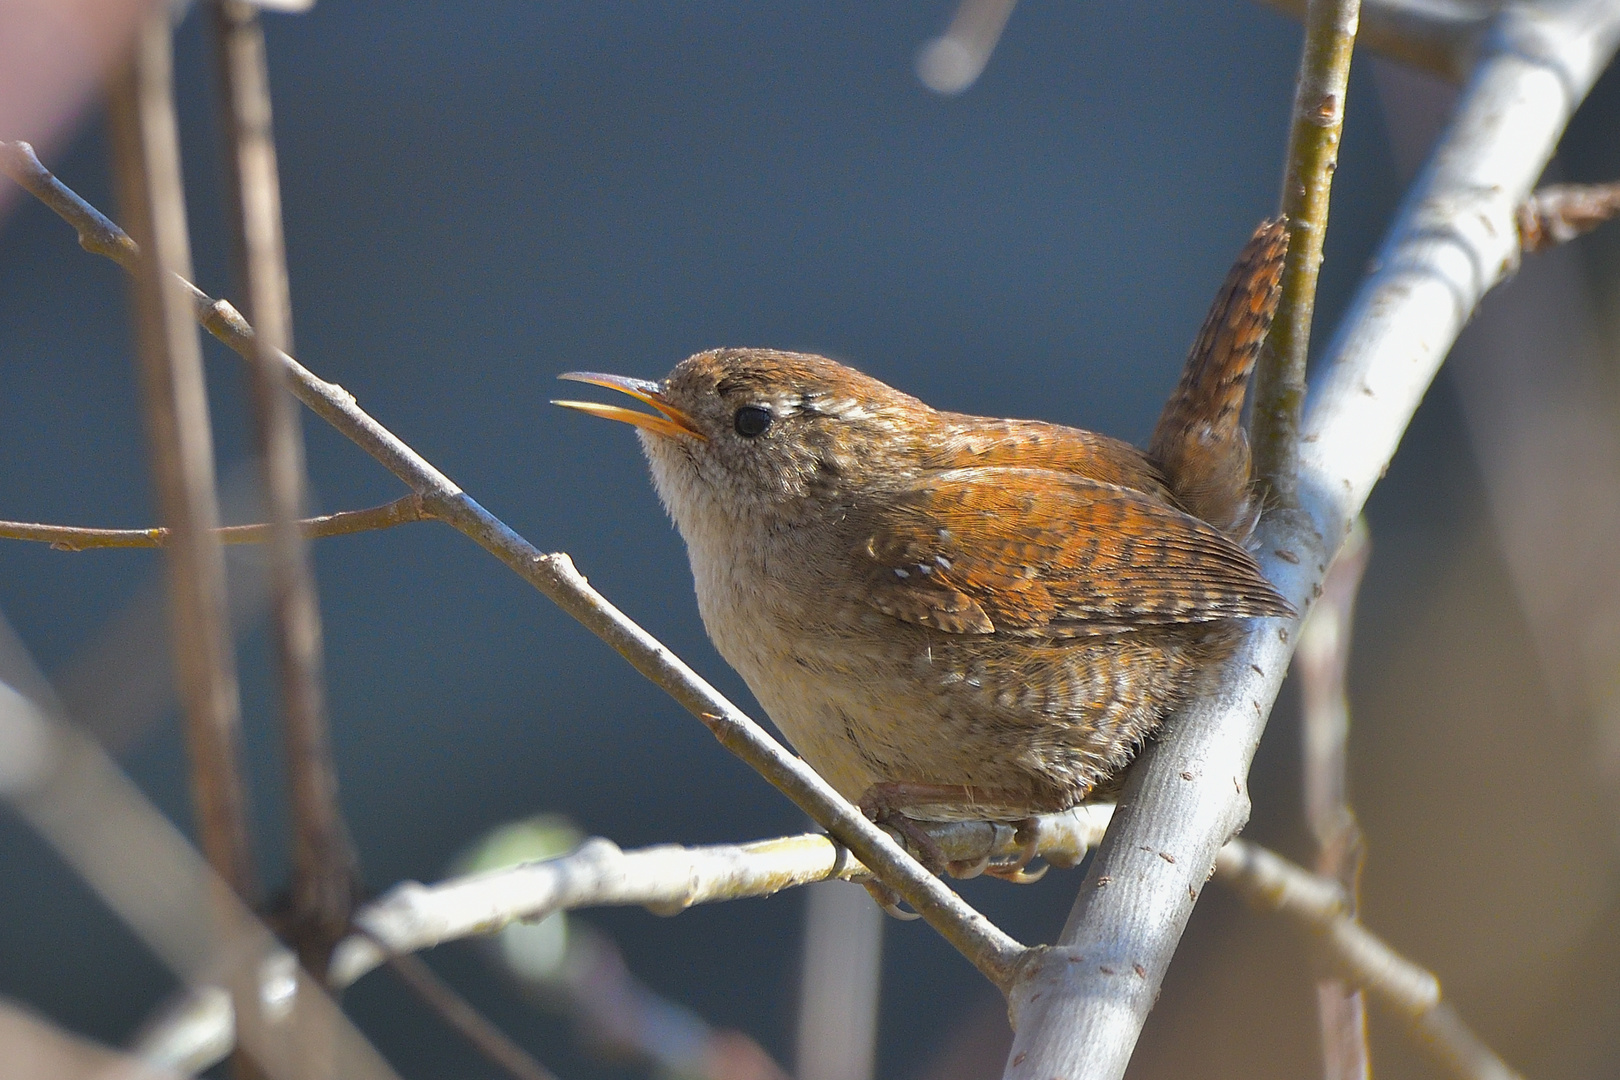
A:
(1312, 157)
(993, 952)
(404, 509)
(1439, 36)
(1322, 662)
(629, 1021)
(471, 1024)
(323, 858)
(1558, 213)
(97, 233)
(1079, 1007)
(1321, 906)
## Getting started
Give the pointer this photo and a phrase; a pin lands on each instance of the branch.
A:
(1319, 905)
(1558, 213)
(1313, 156)
(993, 952)
(665, 879)
(1079, 1007)
(404, 509)
(668, 879)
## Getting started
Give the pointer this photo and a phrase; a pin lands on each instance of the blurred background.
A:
(481, 195)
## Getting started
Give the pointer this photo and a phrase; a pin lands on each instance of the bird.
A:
(956, 617)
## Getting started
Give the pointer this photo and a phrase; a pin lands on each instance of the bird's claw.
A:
(1028, 838)
(889, 900)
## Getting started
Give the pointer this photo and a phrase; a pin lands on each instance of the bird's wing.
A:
(1037, 552)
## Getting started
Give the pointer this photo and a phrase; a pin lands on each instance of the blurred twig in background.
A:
(73, 794)
(147, 163)
(952, 62)
(838, 989)
(1322, 663)
(323, 859)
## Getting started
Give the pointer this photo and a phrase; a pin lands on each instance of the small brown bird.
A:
(957, 617)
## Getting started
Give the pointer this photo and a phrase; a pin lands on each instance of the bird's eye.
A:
(751, 420)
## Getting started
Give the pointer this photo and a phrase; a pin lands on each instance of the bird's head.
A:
(762, 433)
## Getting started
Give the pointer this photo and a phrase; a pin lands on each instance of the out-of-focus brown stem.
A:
(1322, 661)
(147, 162)
(323, 858)
(343, 523)
(147, 159)
(471, 1024)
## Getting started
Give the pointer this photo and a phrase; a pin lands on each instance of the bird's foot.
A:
(882, 803)
(1028, 837)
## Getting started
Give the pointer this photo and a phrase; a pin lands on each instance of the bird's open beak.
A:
(667, 421)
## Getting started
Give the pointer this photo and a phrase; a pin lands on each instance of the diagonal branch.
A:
(989, 949)
(74, 795)
(1079, 1007)
(1322, 907)
(404, 509)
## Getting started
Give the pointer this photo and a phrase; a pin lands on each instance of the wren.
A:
(957, 617)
